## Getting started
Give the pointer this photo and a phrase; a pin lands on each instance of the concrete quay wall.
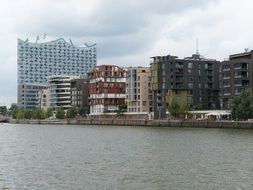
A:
(148, 123)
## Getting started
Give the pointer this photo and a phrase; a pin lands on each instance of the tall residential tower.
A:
(236, 75)
(139, 95)
(192, 80)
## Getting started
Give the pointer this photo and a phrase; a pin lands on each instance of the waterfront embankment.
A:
(148, 123)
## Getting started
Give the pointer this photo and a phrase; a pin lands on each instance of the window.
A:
(190, 65)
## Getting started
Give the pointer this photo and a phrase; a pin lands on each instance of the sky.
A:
(127, 32)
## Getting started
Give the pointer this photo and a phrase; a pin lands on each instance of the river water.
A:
(106, 157)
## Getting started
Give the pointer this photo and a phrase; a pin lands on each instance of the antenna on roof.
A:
(38, 38)
(197, 46)
(44, 36)
(71, 42)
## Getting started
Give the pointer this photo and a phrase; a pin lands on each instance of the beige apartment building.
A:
(139, 96)
(44, 99)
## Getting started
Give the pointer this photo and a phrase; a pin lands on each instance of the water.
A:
(93, 157)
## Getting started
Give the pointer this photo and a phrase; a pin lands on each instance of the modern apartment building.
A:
(107, 89)
(79, 91)
(236, 74)
(139, 95)
(192, 80)
(59, 87)
(37, 61)
(28, 95)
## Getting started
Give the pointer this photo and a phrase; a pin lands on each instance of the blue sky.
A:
(127, 32)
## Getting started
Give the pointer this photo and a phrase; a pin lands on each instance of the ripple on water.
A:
(62, 157)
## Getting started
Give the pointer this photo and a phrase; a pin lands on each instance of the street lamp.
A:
(193, 109)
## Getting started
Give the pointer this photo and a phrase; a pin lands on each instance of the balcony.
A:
(179, 66)
(179, 72)
(241, 68)
(226, 69)
(179, 79)
(227, 94)
(241, 76)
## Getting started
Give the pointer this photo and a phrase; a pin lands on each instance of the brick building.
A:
(107, 89)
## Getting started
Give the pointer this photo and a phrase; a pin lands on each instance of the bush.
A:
(72, 112)
(60, 113)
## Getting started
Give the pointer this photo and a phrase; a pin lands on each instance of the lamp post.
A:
(193, 109)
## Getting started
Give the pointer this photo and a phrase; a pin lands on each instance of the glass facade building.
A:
(38, 61)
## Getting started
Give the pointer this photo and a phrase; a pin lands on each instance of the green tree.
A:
(242, 106)
(28, 114)
(174, 108)
(38, 114)
(49, 112)
(72, 112)
(83, 111)
(199, 106)
(121, 109)
(13, 111)
(3, 110)
(20, 114)
(60, 113)
(184, 108)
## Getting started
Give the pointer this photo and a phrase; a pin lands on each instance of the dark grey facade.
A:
(193, 80)
(236, 74)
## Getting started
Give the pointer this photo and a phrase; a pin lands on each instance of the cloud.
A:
(127, 32)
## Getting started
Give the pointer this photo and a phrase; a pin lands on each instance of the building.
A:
(236, 74)
(28, 95)
(79, 91)
(36, 61)
(44, 99)
(59, 87)
(107, 89)
(139, 95)
(192, 80)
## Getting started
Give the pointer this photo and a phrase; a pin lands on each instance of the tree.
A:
(174, 108)
(60, 114)
(20, 114)
(83, 111)
(72, 112)
(242, 106)
(178, 109)
(28, 114)
(184, 108)
(38, 114)
(12, 111)
(121, 109)
(199, 106)
(49, 112)
(3, 110)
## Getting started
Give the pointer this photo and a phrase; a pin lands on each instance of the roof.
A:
(85, 45)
